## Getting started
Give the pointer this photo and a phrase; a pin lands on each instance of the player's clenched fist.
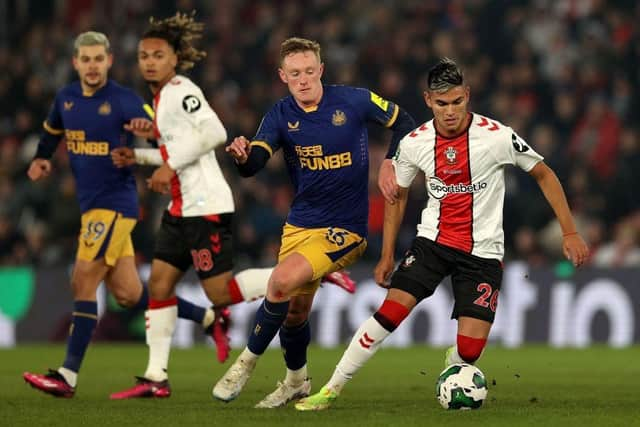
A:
(239, 149)
(383, 270)
(160, 181)
(123, 156)
(39, 168)
(141, 127)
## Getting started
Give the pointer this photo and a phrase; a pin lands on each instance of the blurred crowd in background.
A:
(565, 74)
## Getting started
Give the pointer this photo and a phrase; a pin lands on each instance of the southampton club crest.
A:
(408, 260)
(451, 153)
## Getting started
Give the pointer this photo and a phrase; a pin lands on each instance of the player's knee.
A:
(125, 298)
(82, 289)
(285, 279)
(470, 348)
(279, 284)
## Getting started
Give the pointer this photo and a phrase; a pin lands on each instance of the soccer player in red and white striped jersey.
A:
(463, 156)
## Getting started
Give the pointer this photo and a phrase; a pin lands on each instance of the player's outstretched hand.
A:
(123, 156)
(140, 127)
(160, 181)
(240, 148)
(387, 181)
(39, 168)
(575, 249)
(383, 270)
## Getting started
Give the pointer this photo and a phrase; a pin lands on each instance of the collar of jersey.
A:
(313, 107)
(462, 132)
(86, 95)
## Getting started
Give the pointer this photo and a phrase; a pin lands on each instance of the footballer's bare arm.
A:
(573, 246)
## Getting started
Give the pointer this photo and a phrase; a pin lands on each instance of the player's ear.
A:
(282, 75)
(74, 61)
(427, 98)
(321, 68)
(109, 60)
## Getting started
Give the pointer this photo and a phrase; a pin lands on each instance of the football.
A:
(461, 386)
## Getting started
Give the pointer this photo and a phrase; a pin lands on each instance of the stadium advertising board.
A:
(559, 307)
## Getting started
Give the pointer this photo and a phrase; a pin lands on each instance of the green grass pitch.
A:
(530, 386)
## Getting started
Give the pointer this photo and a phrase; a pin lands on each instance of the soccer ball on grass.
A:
(461, 386)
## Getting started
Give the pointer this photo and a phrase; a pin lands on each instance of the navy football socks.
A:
(269, 318)
(85, 317)
(294, 342)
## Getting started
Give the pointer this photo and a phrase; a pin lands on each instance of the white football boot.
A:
(285, 393)
(233, 381)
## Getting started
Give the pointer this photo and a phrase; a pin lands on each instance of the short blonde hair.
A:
(91, 38)
(297, 44)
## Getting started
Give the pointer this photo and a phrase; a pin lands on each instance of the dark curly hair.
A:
(179, 31)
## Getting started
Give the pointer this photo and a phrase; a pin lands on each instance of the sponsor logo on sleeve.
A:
(518, 144)
(190, 104)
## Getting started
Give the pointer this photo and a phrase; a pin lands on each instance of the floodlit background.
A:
(564, 74)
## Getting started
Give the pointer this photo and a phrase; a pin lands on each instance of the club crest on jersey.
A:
(104, 109)
(68, 105)
(339, 118)
(451, 154)
(190, 104)
(293, 127)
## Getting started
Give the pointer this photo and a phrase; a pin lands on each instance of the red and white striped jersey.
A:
(188, 130)
(465, 182)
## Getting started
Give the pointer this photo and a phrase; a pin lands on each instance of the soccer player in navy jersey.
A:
(463, 156)
(322, 132)
(92, 114)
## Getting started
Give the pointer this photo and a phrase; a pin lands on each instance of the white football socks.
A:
(364, 344)
(297, 377)
(69, 376)
(248, 357)
(252, 282)
(209, 317)
(161, 322)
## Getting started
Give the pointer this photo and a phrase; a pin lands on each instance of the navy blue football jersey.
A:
(327, 155)
(92, 126)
